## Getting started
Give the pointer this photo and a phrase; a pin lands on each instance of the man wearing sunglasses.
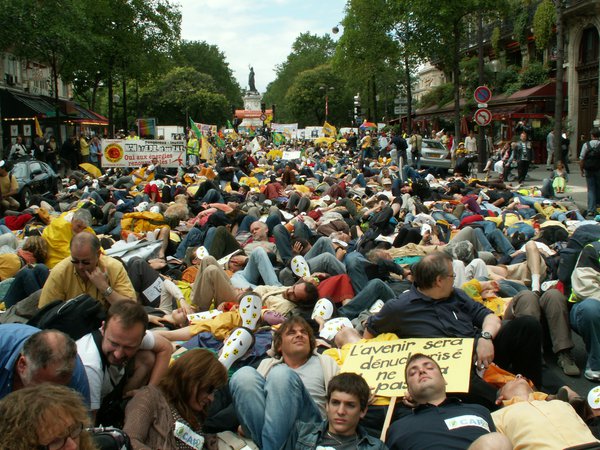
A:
(87, 271)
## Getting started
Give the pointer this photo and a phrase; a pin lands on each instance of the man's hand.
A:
(99, 279)
(484, 353)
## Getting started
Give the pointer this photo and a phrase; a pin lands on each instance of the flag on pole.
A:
(195, 129)
(254, 145)
(229, 125)
(146, 127)
(219, 141)
(38, 129)
(329, 130)
(208, 152)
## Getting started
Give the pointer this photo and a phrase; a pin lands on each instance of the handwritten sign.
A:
(134, 153)
(382, 363)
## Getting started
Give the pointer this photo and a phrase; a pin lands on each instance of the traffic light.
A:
(263, 107)
(273, 111)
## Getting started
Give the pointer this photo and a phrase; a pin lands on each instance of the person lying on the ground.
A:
(437, 420)
(60, 232)
(530, 420)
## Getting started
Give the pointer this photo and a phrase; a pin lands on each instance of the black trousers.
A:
(522, 168)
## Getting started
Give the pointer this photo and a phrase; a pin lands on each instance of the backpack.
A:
(76, 317)
(421, 189)
(583, 235)
(591, 160)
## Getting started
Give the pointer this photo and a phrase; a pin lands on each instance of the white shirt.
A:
(102, 382)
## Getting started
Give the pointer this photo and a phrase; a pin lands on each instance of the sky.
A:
(259, 32)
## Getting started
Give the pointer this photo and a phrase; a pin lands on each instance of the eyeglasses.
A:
(73, 432)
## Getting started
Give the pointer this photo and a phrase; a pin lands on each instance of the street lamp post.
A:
(326, 89)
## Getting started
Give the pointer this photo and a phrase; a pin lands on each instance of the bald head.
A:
(47, 356)
(88, 240)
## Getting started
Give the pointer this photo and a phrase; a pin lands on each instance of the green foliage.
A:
(533, 75)
(308, 51)
(495, 39)
(305, 99)
(543, 21)
(208, 59)
(440, 95)
(520, 26)
(184, 88)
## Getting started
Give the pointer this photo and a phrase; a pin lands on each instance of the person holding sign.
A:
(437, 421)
(434, 308)
(347, 401)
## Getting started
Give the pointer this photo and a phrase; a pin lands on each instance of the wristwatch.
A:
(110, 290)
(486, 335)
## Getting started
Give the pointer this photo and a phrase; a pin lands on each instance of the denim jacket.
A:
(306, 436)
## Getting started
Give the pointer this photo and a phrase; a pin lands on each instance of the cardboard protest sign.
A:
(382, 364)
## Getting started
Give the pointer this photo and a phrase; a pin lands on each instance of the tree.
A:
(206, 58)
(366, 52)
(28, 33)
(305, 98)
(308, 51)
(181, 92)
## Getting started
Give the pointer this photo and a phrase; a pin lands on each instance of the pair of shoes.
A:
(592, 375)
(568, 366)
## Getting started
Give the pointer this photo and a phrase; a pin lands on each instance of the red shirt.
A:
(150, 189)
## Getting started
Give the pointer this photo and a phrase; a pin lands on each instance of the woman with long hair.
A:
(45, 416)
(171, 415)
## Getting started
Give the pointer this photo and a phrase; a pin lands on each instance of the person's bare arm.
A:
(162, 350)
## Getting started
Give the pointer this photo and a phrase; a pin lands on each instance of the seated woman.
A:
(46, 416)
(171, 415)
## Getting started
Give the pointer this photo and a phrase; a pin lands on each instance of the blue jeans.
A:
(355, 268)
(258, 267)
(562, 216)
(593, 191)
(283, 240)
(212, 196)
(322, 245)
(195, 238)
(269, 408)
(374, 290)
(443, 215)
(585, 321)
(27, 281)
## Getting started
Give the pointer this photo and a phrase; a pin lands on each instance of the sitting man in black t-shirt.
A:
(432, 307)
(439, 421)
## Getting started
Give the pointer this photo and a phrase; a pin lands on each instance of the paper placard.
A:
(382, 364)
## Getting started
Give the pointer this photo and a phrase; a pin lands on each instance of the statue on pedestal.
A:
(251, 85)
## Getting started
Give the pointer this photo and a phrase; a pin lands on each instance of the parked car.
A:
(35, 178)
(435, 154)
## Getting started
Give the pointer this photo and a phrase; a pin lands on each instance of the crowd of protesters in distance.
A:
(230, 291)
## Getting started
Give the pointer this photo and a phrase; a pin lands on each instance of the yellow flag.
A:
(38, 129)
(329, 130)
(208, 152)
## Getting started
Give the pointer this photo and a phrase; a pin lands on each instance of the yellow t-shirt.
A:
(8, 183)
(64, 283)
(58, 236)
(10, 263)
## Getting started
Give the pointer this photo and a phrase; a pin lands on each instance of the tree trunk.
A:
(482, 153)
(111, 125)
(125, 125)
(456, 76)
(374, 94)
(56, 103)
(408, 95)
(558, 105)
